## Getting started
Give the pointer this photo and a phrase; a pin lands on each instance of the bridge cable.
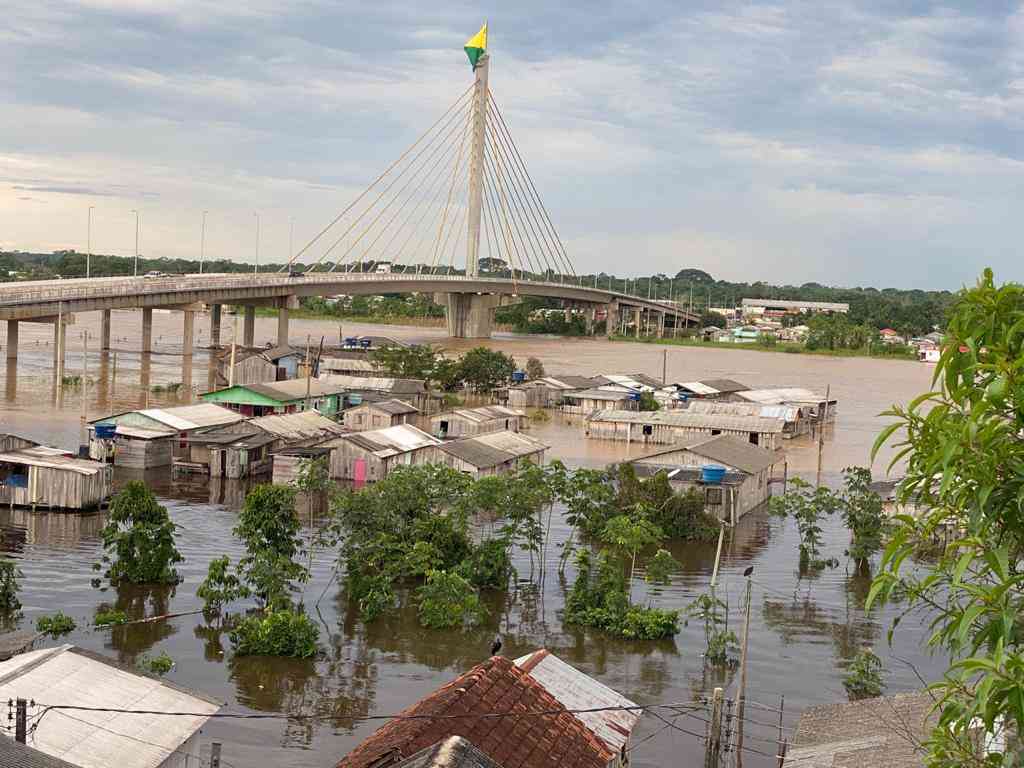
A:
(460, 195)
(515, 148)
(451, 189)
(378, 179)
(525, 259)
(443, 136)
(508, 232)
(493, 229)
(528, 226)
(446, 151)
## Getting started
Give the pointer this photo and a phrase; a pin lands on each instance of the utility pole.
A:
(20, 721)
(823, 416)
(136, 271)
(85, 378)
(88, 243)
(718, 556)
(309, 374)
(234, 336)
(476, 165)
(713, 748)
(256, 266)
(215, 755)
(664, 367)
(202, 244)
(742, 699)
(781, 742)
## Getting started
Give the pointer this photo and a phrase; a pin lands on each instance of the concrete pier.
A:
(60, 345)
(188, 332)
(215, 312)
(249, 326)
(12, 339)
(282, 327)
(147, 329)
(104, 330)
(470, 315)
(611, 322)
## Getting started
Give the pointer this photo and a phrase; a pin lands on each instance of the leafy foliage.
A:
(534, 368)
(313, 475)
(56, 625)
(156, 665)
(862, 513)
(628, 534)
(9, 575)
(447, 600)
(807, 505)
(484, 370)
(719, 640)
(488, 566)
(139, 535)
(220, 586)
(863, 679)
(661, 567)
(276, 633)
(110, 618)
(647, 402)
(964, 450)
(679, 515)
(270, 530)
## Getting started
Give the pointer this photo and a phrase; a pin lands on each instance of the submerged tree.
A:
(9, 575)
(719, 640)
(807, 505)
(964, 450)
(268, 527)
(138, 539)
(862, 513)
(863, 679)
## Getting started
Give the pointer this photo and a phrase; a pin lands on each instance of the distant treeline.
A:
(911, 312)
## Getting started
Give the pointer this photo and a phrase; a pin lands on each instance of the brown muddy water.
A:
(802, 632)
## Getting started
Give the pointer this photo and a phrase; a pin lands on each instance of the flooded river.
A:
(802, 633)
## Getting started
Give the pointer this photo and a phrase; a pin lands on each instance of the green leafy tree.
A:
(56, 625)
(9, 575)
(268, 527)
(807, 505)
(484, 370)
(413, 362)
(534, 368)
(138, 539)
(719, 640)
(863, 679)
(661, 567)
(448, 600)
(313, 475)
(628, 535)
(862, 513)
(281, 632)
(964, 451)
(647, 402)
(447, 374)
(220, 586)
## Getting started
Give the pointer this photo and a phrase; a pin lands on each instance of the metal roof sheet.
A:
(727, 449)
(51, 458)
(391, 441)
(571, 382)
(576, 691)
(482, 413)
(15, 755)
(185, 417)
(452, 752)
(141, 433)
(376, 383)
(480, 455)
(610, 395)
(786, 412)
(685, 419)
(781, 395)
(68, 675)
(329, 364)
(295, 389)
(298, 426)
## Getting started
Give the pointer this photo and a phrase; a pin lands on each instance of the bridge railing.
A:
(82, 289)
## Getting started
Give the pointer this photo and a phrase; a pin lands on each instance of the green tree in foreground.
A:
(484, 370)
(807, 505)
(863, 678)
(270, 530)
(138, 539)
(965, 465)
(9, 575)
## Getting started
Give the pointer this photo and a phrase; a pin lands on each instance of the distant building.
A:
(71, 677)
(466, 422)
(547, 391)
(680, 426)
(586, 401)
(370, 456)
(889, 336)
(359, 388)
(253, 365)
(266, 398)
(745, 334)
(708, 389)
(494, 453)
(745, 485)
(780, 307)
(37, 476)
(796, 422)
(554, 740)
(378, 414)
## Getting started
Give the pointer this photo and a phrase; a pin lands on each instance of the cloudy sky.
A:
(850, 143)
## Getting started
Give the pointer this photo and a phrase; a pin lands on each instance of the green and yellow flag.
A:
(477, 45)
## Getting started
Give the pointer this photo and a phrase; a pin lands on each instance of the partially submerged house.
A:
(708, 389)
(253, 365)
(370, 456)
(681, 426)
(556, 739)
(266, 398)
(547, 391)
(492, 454)
(733, 476)
(451, 752)
(377, 414)
(815, 405)
(153, 436)
(107, 735)
(412, 391)
(41, 477)
(346, 363)
(795, 421)
(588, 400)
(466, 422)
(287, 463)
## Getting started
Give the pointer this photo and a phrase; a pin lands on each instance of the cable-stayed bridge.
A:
(457, 215)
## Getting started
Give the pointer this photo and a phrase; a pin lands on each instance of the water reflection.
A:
(138, 601)
(54, 530)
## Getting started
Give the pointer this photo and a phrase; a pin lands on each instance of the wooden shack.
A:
(746, 485)
(266, 398)
(681, 426)
(9, 442)
(795, 421)
(370, 456)
(288, 462)
(375, 415)
(589, 400)
(39, 476)
(492, 454)
(466, 422)
(254, 365)
(547, 391)
(298, 429)
(227, 453)
(359, 388)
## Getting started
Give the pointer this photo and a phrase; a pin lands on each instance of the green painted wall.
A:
(239, 396)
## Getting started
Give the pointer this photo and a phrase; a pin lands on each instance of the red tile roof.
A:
(532, 741)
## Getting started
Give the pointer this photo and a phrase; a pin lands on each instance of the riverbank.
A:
(784, 347)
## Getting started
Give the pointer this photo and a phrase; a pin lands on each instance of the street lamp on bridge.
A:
(136, 270)
(256, 266)
(202, 244)
(88, 242)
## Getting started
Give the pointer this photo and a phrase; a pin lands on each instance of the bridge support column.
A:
(188, 332)
(104, 330)
(215, 326)
(661, 325)
(588, 319)
(147, 330)
(60, 345)
(282, 327)
(249, 326)
(611, 323)
(639, 319)
(470, 316)
(12, 339)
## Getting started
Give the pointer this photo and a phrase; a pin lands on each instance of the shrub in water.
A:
(56, 625)
(156, 665)
(9, 575)
(110, 618)
(276, 633)
(139, 539)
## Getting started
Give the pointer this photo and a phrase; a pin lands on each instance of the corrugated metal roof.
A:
(785, 412)
(712, 386)
(609, 395)
(682, 418)
(68, 675)
(571, 382)
(698, 388)
(361, 365)
(482, 414)
(52, 458)
(15, 755)
(780, 395)
(143, 434)
(392, 406)
(298, 426)
(377, 383)
(576, 691)
(295, 389)
(480, 455)
(392, 441)
(634, 381)
(453, 752)
(727, 449)
(185, 417)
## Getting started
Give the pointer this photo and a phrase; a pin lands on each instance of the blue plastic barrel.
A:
(712, 473)
(106, 431)
(634, 396)
(518, 376)
(354, 398)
